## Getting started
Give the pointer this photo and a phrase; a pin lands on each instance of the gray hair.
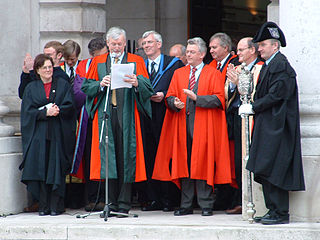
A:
(156, 35)
(224, 40)
(115, 33)
(199, 42)
(252, 44)
(183, 49)
(275, 41)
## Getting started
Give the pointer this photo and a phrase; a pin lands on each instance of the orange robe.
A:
(210, 159)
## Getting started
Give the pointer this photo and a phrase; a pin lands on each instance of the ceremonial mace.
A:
(245, 88)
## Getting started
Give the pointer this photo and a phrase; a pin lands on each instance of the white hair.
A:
(156, 35)
(199, 42)
(115, 33)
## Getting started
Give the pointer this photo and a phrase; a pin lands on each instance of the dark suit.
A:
(164, 193)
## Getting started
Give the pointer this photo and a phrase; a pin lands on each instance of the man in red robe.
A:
(194, 140)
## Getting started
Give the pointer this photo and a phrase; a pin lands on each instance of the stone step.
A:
(10, 144)
(150, 225)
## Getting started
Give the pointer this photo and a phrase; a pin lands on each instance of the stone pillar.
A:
(300, 20)
(302, 34)
(28, 25)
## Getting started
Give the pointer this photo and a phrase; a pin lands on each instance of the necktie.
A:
(114, 96)
(219, 66)
(193, 78)
(71, 76)
(153, 71)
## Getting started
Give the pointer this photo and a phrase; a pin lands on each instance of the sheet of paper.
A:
(117, 75)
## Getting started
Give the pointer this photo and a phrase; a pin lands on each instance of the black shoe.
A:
(55, 213)
(275, 219)
(44, 213)
(124, 215)
(258, 219)
(207, 212)
(183, 211)
(153, 206)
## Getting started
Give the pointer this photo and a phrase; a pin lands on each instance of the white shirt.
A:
(197, 73)
(68, 71)
(157, 64)
(223, 61)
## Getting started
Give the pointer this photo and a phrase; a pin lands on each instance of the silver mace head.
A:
(245, 86)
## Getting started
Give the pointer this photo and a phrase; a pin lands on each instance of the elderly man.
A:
(179, 51)
(160, 195)
(193, 148)
(220, 48)
(275, 153)
(247, 52)
(125, 150)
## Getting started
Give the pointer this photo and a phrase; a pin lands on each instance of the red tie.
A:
(219, 66)
(193, 78)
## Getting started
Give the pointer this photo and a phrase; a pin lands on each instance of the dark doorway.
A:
(237, 18)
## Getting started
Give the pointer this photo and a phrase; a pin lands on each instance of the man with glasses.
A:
(160, 195)
(247, 52)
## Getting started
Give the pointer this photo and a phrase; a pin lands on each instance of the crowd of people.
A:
(172, 134)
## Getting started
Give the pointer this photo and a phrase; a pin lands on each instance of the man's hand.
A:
(106, 80)
(157, 97)
(178, 104)
(132, 79)
(246, 109)
(232, 74)
(27, 63)
(190, 94)
(53, 111)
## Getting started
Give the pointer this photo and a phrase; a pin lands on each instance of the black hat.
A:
(270, 30)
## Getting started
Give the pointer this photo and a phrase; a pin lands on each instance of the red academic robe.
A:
(210, 159)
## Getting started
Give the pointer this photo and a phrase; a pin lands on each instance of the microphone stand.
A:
(106, 211)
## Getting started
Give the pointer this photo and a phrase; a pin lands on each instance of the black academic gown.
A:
(151, 129)
(275, 153)
(38, 130)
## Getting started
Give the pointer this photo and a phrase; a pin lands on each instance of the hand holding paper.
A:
(122, 76)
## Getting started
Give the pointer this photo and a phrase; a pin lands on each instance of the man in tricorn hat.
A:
(275, 153)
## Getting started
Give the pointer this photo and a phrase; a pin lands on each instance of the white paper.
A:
(117, 75)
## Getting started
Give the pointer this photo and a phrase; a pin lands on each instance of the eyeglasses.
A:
(46, 67)
(149, 42)
(242, 49)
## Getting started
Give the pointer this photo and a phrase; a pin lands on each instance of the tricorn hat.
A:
(270, 30)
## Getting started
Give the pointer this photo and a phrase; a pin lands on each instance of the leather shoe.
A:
(125, 213)
(183, 211)
(153, 206)
(235, 210)
(44, 213)
(55, 213)
(207, 212)
(258, 219)
(275, 219)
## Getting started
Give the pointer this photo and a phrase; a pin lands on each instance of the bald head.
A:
(247, 50)
(179, 51)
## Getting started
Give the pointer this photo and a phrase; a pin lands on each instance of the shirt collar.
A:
(250, 65)
(157, 60)
(224, 60)
(269, 60)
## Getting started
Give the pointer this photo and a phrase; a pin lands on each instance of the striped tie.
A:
(193, 78)
(71, 76)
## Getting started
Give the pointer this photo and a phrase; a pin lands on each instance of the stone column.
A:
(28, 25)
(299, 20)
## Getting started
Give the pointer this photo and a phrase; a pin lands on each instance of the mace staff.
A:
(245, 88)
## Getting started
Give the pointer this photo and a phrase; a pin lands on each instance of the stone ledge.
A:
(150, 225)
